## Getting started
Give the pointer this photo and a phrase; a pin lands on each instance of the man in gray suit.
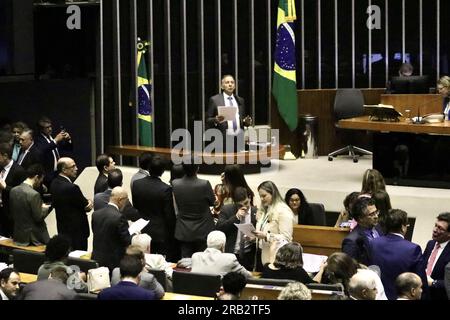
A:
(214, 261)
(231, 129)
(28, 210)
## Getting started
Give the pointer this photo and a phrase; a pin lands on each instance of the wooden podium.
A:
(425, 103)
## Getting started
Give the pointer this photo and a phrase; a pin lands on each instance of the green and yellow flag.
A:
(284, 87)
(145, 111)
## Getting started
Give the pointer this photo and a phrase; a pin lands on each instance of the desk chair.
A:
(160, 276)
(318, 211)
(348, 103)
(84, 264)
(27, 261)
(197, 284)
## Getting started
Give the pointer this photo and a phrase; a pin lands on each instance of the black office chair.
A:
(27, 261)
(160, 276)
(269, 281)
(198, 284)
(318, 211)
(348, 103)
(84, 264)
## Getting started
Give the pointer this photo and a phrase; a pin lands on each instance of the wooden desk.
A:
(427, 103)
(8, 245)
(318, 239)
(27, 277)
(264, 292)
(177, 296)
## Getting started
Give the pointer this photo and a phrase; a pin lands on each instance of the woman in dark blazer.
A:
(296, 200)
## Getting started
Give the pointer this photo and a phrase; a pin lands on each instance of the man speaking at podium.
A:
(232, 130)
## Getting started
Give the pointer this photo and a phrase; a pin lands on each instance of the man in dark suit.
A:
(70, 205)
(28, 210)
(154, 201)
(11, 175)
(110, 230)
(9, 284)
(127, 288)
(232, 130)
(447, 279)
(395, 255)
(29, 154)
(437, 255)
(104, 164)
(237, 213)
(356, 244)
(51, 149)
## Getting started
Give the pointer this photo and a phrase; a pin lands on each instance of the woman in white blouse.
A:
(274, 222)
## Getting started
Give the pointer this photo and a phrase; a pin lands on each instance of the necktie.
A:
(230, 103)
(2, 177)
(375, 234)
(432, 259)
(21, 156)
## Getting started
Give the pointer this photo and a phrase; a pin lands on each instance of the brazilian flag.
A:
(284, 87)
(145, 111)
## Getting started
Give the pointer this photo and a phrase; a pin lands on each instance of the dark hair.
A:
(144, 160)
(349, 201)
(101, 161)
(445, 216)
(382, 201)
(115, 178)
(57, 248)
(359, 208)
(176, 172)
(234, 177)
(60, 166)
(395, 219)
(373, 181)
(42, 120)
(289, 256)
(157, 166)
(19, 124)
(240, 194)
(5, 148)
(190, 167)
(340, 268)
(234, 283)
(226, 75)
(304, 209)
(6, 273)
(130, 266)
(35, 169)
(60, 273)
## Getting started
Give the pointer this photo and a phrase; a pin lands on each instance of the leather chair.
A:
(84, 264)
(198, 284)
(319, 214)
(27, 261)
(160, 276)
(348, 103)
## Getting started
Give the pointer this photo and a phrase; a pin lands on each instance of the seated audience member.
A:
(56, 253)
(345, 217)
(239, 212)
(362, 285)
(53, 288)
(394, 255)
(214, 261)
(104, 164)
(17, 128)
(147, 280)
(144, 162)
(295, 291)
(372, 182)
(28, 210)
(152, 260)
(232, 285)
(9, 284)
(408, 286)
(356, 243)
(288, 264)
(127, 288)
(300, 207)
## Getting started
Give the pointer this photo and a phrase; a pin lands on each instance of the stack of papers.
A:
(137, 226)
(312, 262)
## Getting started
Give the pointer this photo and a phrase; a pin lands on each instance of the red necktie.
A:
(432, 259)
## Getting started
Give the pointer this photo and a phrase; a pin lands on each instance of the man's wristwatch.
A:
(433, 284)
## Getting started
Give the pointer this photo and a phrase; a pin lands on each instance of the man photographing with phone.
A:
(51, 149)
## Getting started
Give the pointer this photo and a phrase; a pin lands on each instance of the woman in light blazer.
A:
(274, 223)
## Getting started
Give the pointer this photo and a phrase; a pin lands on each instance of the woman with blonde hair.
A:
(443, 88)
(274, 223)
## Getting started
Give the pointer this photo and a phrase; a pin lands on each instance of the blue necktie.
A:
(230, 103)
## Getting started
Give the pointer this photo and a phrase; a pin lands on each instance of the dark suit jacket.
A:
(101, 184)
(101, 201)
(193, 197)
(395, 255)
(447, 279)
(125, 290)
(437, 291)
(31, 157)
(226, 221)
(111, 236)
(48, 289)
(153, 199)
(216, 101)
(356, 245)
(69, 204)
(29, 224)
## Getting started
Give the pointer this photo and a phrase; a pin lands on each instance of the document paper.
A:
(228, 112)
(312, 262)
(137, 226)
(246, 229)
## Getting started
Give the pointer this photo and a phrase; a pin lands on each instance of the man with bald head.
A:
(110, 229)
(408, 286)
(70, 205)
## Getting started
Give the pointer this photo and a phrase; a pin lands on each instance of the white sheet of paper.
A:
(228, 112)
(3, 238)
(312, 262)
(246, 229)
(137, 226)
(77, 253)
